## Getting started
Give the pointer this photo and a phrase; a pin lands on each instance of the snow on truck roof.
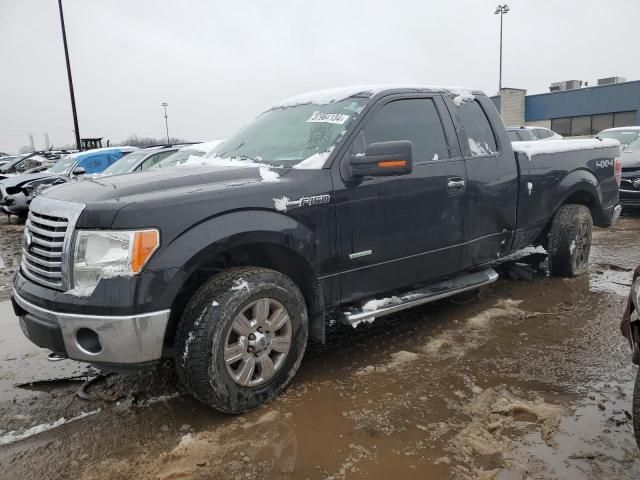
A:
(323, 97)
(557, 146)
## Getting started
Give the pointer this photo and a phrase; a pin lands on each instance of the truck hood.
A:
(137, 187)
(630, 159)
(185, 194)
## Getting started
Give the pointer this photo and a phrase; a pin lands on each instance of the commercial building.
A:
(572, 110)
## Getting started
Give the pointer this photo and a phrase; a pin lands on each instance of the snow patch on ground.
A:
(398, 360)
(14, 436)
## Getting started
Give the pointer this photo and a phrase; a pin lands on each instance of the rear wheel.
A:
(241, 338)
(570, 241)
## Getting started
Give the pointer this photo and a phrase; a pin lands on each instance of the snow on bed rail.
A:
(557, 146)
(324, 97)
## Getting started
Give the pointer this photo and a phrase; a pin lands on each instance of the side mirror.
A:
(78, 171)
(383, 159)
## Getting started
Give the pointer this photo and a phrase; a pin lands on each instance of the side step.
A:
(436, 291)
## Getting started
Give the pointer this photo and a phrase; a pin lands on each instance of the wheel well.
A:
(581, 197)
(267, 255)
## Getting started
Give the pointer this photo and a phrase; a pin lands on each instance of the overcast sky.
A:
(219, 63)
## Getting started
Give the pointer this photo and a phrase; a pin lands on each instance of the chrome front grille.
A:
(46, 242)
(630, 184)
(42, 248)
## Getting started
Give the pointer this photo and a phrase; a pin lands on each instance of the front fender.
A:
(204, 240)
(171, 267)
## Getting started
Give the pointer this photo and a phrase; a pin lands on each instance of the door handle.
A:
(455, 183)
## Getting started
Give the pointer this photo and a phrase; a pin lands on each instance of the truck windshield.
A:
(178, 158)
(287, 136)
(630, 139)
(63, 165)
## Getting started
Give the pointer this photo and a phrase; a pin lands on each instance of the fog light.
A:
(88, 340)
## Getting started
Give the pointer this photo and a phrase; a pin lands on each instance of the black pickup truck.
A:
(345, 204)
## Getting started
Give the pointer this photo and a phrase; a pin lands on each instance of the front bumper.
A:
(629, 198)
(122, 340)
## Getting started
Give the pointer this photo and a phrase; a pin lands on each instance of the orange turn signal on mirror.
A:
(392, 163)
(145, 243)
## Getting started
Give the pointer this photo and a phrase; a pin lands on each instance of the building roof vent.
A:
(566, 85)
(611, 80)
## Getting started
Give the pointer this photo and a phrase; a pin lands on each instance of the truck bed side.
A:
(581, 172)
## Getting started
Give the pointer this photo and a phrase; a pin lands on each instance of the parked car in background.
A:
(630, 328)
(17, 192)
(629, 138)
(519, 133)
(230, 267)
(6, 159)
(188, 154)
(23, 163)
(139, 161)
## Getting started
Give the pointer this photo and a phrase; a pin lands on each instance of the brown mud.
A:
(530, 380)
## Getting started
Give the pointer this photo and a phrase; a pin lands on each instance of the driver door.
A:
(399, 230)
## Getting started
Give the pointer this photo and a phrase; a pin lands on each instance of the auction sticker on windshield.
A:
(319, 117)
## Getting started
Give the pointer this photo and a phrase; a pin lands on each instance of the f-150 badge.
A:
(283, 204)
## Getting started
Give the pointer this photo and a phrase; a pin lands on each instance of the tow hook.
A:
(56, 357)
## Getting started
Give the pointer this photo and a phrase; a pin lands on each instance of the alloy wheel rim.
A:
(258, 342)
(582, 245)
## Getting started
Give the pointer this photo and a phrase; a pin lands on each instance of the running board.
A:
(424, 295)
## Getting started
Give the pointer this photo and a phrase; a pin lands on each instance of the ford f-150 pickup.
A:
(345, 204)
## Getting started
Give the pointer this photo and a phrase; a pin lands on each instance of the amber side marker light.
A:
(144, 244)
(392, 163)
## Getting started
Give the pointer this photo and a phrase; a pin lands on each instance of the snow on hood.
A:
(314, 162)
(323, 97)
(556, 146)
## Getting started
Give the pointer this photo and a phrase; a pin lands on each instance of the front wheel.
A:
(241, 338)
(570, 241)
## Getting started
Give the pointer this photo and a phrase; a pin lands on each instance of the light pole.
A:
(166, 120)
(501, 9)
(73, 97)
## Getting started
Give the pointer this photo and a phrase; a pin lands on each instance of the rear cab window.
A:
(477, 129)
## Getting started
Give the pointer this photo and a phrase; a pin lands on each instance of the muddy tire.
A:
(636, 408)
(570, 241)
(241, 338)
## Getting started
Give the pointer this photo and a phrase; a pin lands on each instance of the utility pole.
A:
(501, 9)
(73, 97)
(166, 120)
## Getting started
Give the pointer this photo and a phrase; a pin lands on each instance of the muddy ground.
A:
(530, 380)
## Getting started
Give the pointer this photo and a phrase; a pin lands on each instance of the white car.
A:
(524, 133)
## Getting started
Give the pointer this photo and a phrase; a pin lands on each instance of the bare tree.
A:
(143, 142)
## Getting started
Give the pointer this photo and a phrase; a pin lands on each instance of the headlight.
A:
(635, 294)
(110, 253)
